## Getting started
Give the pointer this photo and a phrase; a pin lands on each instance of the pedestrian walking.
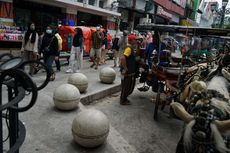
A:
(115, 49)
(57, 62)
(128, 68)
(49, 49)
(30, 45)
(76, 54)
(96, 44)
(104, 48)
(122, 43)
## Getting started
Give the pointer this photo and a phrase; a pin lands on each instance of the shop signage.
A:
(162, 12)
(181, 3)
(6, 10)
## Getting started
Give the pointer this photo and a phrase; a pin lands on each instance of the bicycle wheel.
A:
(157, 102)
(37, 71)
(4, 57)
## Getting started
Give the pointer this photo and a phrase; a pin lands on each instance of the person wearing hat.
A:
(96, 45)
(128, 67)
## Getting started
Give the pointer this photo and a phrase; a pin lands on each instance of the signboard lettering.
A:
(162, 12)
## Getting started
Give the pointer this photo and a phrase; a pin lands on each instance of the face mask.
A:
(48, 31)
(32, 27)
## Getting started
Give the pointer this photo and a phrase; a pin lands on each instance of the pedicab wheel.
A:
(6, 56)
(157, 102)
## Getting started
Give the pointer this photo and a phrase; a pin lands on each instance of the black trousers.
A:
(127, 86)
(57, 62)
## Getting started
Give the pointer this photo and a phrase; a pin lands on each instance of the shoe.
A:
(144, 88)
(96, 68)
(92, 65)
(127, 102)
(52, 77)
(69, 71)
(78, 71)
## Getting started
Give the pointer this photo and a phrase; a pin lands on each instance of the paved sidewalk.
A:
(96, 90)
(132, 128)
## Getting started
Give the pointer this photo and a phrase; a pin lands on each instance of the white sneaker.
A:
(69, 71)
(78, 71)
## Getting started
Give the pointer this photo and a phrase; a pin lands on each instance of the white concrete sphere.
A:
(66, 97)
(90, 128)
(79, 80)
(107, 75)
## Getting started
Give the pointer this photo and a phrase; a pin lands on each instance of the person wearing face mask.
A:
(30, 45)
(49, 49)
(76, 54)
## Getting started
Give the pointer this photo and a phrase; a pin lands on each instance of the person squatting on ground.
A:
(76, 54)
(30, 45)
(96, 44)
(49, 48)
(57, 62)
(128, 67)
(115, 49)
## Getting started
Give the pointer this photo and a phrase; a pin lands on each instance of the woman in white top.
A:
(30, 45)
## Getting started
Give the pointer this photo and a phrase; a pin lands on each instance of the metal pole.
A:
(1, 131)
(222, 17)
(13, 119)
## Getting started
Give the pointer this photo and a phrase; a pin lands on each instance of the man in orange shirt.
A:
(128, 67)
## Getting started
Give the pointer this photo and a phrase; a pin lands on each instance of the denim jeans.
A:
(149, 58)
(48, 60)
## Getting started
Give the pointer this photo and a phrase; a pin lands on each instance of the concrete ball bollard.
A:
(107, 75)
(79, 80)
(90, 128)
(66, 97)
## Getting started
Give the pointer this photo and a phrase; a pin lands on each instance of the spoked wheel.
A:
(38, 72)
(157, 102)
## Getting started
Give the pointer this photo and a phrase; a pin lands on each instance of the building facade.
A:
(134, 12)
(67, 12)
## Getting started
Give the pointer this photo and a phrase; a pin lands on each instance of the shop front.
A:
(10, 35)
(26, 12)
(169, 12)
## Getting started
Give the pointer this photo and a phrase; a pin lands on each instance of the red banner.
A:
(6, 10)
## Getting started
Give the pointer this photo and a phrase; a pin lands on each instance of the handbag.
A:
(47, 49)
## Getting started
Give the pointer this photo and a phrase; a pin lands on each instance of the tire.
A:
(40, 75)
(157, 102)
(6, 56)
